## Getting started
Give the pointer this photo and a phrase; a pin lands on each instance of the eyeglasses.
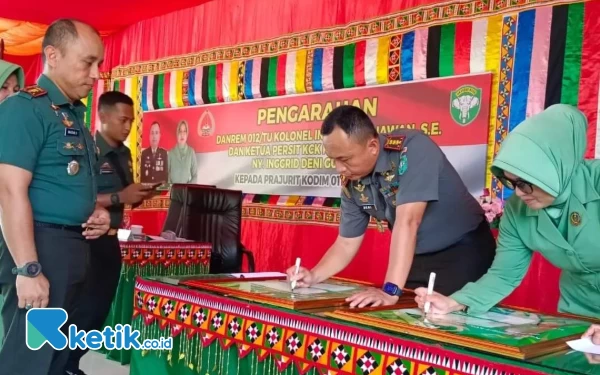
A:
(525, 186)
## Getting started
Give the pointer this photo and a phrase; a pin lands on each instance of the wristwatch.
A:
(392, 289)
(30, 269)
(114, 199)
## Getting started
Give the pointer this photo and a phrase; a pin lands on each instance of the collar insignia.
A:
(394, 142)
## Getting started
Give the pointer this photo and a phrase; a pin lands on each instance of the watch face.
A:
(390, 289)
(33, 269)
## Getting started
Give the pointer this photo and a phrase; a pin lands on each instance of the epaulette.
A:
(345, 181)
(394, 142)
(34, 91)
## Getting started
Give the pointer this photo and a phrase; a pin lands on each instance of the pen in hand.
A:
(429, 291)
(296, 272)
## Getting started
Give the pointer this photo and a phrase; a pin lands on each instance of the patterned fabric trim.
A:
(281, 333)
(264, 212)
(400, 22)
(165, 254)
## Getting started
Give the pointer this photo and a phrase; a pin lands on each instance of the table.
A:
(219, 335)
(141, 258)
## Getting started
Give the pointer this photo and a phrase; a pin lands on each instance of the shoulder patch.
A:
(34, 91)
(394, 142)
(345, 183)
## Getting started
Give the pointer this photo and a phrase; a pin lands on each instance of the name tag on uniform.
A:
(70, 132)
(106, 168)
(367, 207)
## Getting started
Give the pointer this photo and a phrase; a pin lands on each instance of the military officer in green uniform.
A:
(155, 159)
(115, 189)
(48, 194)
(403, 179)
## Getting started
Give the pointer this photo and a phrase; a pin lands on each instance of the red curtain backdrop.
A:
(231, 22)
(276, 246)
(219, 24)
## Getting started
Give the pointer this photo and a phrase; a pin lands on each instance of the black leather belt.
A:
(70, 228)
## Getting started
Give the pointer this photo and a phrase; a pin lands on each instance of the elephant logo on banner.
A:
(465, 103)
(206, 124)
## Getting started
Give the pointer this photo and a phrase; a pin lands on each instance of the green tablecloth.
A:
(190, 355)
(149, 259)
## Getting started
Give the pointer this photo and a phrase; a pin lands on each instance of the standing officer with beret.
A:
(405, 179)
(48, 193)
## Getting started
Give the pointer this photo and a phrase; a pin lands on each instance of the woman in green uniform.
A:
(182, 158)
(12, 79)
(555, 210)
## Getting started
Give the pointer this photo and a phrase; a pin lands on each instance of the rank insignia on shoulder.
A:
(344, 180)
(394, 142)
(35, 91)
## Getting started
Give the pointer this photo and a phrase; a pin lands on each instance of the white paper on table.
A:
(123, 234)
(333, 287)
(285, 286)
(584, 345)
(254, 275)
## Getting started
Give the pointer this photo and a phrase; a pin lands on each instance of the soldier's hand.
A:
(135, 193)
(97, 224)
(439, 304)
(33, 292)
(304, 278)
(593, 334)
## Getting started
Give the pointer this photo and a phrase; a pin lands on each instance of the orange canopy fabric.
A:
(21, 38)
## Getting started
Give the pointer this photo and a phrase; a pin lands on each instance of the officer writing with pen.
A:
(405, 179)
(48, 194)
(115, 189)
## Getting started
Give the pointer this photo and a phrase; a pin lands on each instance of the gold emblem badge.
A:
(364, 198)
(575, 218)
(359, 187)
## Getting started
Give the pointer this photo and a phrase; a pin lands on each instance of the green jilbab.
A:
(547, 150)
(7, 69)
(182, 165)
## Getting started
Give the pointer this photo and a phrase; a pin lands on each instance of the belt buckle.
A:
(112, 232)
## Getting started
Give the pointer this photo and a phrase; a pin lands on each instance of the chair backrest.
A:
(208, 214)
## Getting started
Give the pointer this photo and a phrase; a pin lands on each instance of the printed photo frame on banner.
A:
(510, 332)
(328, 295)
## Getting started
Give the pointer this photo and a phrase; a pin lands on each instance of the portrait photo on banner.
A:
(274, 146)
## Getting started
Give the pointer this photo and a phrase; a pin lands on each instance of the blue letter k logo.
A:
(43, 326)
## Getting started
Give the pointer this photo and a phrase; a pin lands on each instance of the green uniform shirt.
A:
(412, 168)
(40, 131)
(113, 178)
(565, 233)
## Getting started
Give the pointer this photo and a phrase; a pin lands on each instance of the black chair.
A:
(207, 214)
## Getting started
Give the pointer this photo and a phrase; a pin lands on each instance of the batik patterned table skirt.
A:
(219, 335)
(152, 259)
